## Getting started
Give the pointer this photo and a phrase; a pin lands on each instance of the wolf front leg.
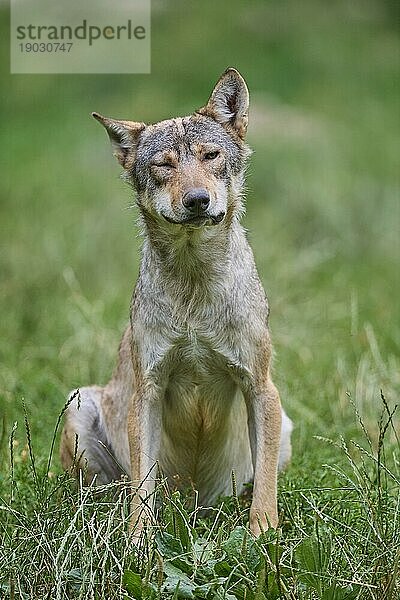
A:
(264, 422)
(144, 432)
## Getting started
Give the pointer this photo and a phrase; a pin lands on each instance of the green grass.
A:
(323, 219)
(338, 539)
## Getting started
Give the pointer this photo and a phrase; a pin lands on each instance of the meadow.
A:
(323, 218)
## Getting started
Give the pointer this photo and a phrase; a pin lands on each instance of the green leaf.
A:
(261, 576)
(132, 583)
(177, 519)
(213, 589)
(313, 557)
(222, 568)
(168, 545)
(272, 586)
(74, 578)
(178, 582)
(336, 592)
(171, 549)
(183, 530)
(274, 551)
(203, 549)
(176, 592)
(241, 546)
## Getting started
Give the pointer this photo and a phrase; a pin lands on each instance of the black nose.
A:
(197, 200)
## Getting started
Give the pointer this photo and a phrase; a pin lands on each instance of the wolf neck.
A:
(191, 262)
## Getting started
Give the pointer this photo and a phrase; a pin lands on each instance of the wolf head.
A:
(188, 171)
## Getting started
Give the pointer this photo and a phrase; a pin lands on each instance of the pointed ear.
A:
(123, 136)
(229, 102)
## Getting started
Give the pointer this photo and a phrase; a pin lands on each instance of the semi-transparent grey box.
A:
(80, 36)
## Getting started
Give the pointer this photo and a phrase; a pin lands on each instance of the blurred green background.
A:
(322, 204)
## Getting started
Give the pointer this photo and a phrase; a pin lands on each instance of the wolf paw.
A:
(260, 521)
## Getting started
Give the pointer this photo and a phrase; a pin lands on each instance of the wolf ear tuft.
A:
(123, 135)
(229, 102)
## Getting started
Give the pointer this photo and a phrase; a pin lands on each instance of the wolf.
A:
(192, 392)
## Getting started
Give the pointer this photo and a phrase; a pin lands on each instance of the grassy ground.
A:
(323, 219)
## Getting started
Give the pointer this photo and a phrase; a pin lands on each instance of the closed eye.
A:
(165, 165)
(211, 155)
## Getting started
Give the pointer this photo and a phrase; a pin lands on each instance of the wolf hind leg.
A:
(84, 443)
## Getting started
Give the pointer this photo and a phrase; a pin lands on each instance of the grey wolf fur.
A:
(192, 390)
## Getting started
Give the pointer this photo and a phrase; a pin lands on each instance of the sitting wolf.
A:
(192, 390)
